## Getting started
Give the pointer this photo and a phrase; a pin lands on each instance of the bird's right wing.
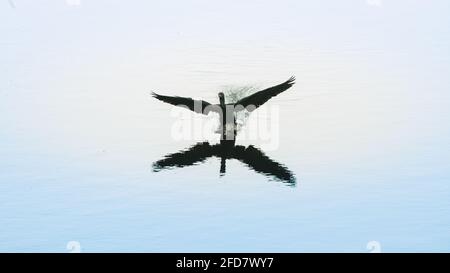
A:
(198, 106)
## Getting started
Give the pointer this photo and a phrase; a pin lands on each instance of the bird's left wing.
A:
(259, 98)
(198, 106)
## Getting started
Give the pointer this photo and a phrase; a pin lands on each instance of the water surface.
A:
(364, 131)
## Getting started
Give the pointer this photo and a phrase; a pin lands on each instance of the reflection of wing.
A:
(261, 97)
(195, 154)
(253, 157)
(261, 163)
(198, 106)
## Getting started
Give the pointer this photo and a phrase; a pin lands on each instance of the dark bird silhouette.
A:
(251, 156)
(228, 111)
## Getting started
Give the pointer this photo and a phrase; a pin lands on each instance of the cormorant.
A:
(228, 111)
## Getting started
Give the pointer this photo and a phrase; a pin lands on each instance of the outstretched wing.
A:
(261, 163)
(196, 154)
(259, 98)
(198, 106)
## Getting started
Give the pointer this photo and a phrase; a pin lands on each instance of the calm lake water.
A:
(364, 132)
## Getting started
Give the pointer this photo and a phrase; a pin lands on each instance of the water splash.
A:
(235, 93)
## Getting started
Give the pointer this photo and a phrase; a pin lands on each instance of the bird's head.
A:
(221, 98)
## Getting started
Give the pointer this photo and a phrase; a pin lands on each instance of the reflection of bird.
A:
(228, 111)
(251, 156)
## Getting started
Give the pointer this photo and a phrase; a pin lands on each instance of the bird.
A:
(251, 156)
(227, 111)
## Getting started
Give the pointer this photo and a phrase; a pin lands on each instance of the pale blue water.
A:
(365, 129)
